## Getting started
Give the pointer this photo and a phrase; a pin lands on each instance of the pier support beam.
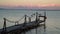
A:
(45, 21)
(36, 17)
(36, 20)
(29, 19)
(4, 27)
(25, 20)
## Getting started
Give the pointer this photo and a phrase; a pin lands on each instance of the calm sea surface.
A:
(52, 22)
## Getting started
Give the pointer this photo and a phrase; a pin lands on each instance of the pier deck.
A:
(17, 29)
(20, 26)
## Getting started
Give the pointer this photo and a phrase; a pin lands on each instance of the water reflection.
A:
(40, 30)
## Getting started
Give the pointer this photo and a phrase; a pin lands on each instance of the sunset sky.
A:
(29, 3)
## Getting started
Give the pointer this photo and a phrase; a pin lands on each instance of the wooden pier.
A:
(26, 26)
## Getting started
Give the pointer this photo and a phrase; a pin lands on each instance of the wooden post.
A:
(25, 21)
(44, 21)
(39, 17)
(36, 16)
(29, 19)
(4, 26)
(36, 20)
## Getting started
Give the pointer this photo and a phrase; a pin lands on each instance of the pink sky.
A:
(30, 3)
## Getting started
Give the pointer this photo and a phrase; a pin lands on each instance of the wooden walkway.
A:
(19, 28)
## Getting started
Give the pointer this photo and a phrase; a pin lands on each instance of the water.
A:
(52, 22)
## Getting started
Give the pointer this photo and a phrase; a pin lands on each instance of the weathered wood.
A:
(19, 28)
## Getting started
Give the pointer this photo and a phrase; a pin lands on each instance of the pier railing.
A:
(25, 25)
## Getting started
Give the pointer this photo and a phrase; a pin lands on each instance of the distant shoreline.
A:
(31, 9)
